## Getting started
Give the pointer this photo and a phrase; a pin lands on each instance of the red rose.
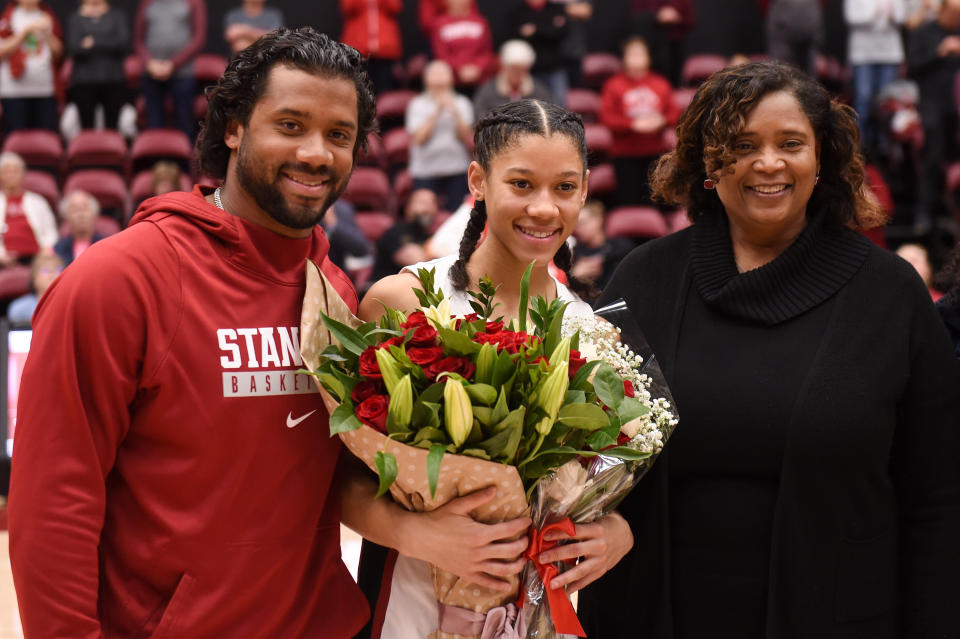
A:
(417, 318)
(487, 338)
(494, 327)
(393, 341)
(453, 364)
(622, 439)
(514, 340)
(472, 317)
(363, 390)
(369, 367)
(424, 336)
(576, 362)
(424, 356)
(373, 412)
(540, 359)
(628, 388)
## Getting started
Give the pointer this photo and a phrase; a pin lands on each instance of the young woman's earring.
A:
(709, 184)
(816, 180)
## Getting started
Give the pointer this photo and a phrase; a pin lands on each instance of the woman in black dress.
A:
(812, 488)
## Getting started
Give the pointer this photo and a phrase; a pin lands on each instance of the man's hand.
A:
(452, 540)
(160, 69)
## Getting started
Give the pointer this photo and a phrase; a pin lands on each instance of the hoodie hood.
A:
(245, 244)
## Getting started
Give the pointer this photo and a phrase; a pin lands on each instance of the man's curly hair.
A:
(717, 115)
(245, 80)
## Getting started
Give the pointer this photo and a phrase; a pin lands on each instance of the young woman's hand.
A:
(449, 538)
(599, 546)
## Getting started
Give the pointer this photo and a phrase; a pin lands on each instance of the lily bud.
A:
(486, 359)
(457, 411)
(400, 409)
(551, 393)
(389, 368)
(561, 352)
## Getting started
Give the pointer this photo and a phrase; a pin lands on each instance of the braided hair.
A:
(497, 131)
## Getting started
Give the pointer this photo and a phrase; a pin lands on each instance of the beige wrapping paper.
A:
(459, 475)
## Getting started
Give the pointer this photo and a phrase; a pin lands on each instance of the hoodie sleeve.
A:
(86, 367)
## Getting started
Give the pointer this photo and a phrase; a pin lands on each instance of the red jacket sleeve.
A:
(85, 369)
(198, 35)
(611, 109)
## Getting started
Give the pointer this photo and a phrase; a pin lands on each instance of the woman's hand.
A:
(600, 545)
(451, 539)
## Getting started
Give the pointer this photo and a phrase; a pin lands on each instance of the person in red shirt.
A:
(461, 38)
(370, 27)
(27, 225)
(174, 473)
(637, 107)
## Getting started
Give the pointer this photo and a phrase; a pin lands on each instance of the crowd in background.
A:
(409, 197)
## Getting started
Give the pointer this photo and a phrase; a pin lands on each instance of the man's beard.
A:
(255, 181)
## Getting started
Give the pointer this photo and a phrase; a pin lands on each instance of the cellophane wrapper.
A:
(586, 490)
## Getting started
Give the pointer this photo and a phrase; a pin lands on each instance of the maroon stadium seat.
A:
(207, 68)
(677, 220)
(638, 222)
(585, 102)
(374, 224)
(402, 186)
(160, 144)
(369, 190)
(396, 145)
(97, 149)
(374, 154)
(700, 66)
(598, 67)
(682, 97)
(599, 141)
(603, 181)
(44, 184)
(14, 281)
(39, 148)
(392, 107)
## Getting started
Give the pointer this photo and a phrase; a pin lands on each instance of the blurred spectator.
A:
(403, 243)
(31, 44)
(595, 255)
(461, 38)
(165, 177)
(875, 49)
(440, 124)
(795, 32)
(370, 26)
(513, 81)
(919, 259)
(948, 281)
(544, 26)
(168, 35)
(98, 39)
(346, 238)
(43, 270)
(921, 11)
(574, 46)
(637, 106)
(27, 224)
(933, 57)
(244, 24)
(664, 24)
(79, 210)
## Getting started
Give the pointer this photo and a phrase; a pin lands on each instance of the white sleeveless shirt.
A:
(412, 609)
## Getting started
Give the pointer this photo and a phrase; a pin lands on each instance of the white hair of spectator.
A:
(9, 157)
(92, 201)
(517, 52)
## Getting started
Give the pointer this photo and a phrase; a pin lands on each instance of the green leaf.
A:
(456, 342)
(365, 328)
(553, 336)
(434, 459)
(580, 379)
(343, 420)
(386, 465)
(332, 353)
(433, 394)
(484, 415)
(504, 369)
(500, 409)
(522, 307)
(630, 409)
(620, 452)
(476, 452)
(425, 414)
(332, 384)
(583, 416)
(482, 393)
(384, 331)
(609, 386)
(575, 397)
(600, 439)
(350, 339)
(503, 445)
(430, 434)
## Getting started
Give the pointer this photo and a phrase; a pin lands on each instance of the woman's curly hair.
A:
(717, 115)
(243, 83)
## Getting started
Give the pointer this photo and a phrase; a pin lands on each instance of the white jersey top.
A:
(412, 608)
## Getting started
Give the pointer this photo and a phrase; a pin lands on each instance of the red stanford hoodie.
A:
(172, 473)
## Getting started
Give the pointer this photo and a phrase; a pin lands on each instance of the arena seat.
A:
(682, 97)
(39, 148)
(678, 220)
(153, 145)
(637, 222)
(597, 67)
(700, 66)
(585, 102)
(599, 141)
(396, 145)
(369, 190)
(603, 181)
(392, 107)
(207, 69)
(14, 281)
(105, 185)
(104, 148)
(44, 184)
(402, 186)
(374, 154)
(374, 224)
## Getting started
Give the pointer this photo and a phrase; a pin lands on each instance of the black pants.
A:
(633, 179)
(88, 96)
(30, 113)
(939, 148)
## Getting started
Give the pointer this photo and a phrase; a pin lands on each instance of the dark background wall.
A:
(724, 26)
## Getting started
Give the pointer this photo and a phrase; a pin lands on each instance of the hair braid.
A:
(468, 244)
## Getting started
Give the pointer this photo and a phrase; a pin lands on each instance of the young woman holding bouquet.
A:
(813, 490)
(529, 180)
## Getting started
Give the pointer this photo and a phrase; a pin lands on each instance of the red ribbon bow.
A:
(561, 610)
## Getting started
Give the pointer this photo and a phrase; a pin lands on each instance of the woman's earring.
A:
(709, 184)
(816, 180)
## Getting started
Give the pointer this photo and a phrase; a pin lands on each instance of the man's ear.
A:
(233, 135)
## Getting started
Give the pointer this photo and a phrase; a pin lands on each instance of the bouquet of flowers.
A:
(440, 406)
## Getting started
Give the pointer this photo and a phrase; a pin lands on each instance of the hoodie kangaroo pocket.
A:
(169, 621)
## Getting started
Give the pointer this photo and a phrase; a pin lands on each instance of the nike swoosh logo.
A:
(291, 422)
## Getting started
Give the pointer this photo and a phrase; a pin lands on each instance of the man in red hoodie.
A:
(174, 474)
